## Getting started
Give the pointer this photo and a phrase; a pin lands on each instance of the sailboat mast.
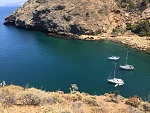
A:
(127, 58)
(115, 70)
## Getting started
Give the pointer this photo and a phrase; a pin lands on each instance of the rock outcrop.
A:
(72, 17)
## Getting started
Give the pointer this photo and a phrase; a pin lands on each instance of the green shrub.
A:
(116, 30)
(131, 6)
(40, 1)
(87, 14)
(37, 1)
(98, 31)
(130, 27)
(126, 4)
(144, 3)
(142, 28)
(100, 11)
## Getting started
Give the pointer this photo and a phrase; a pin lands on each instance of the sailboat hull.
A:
(116, 81)
(113, 58)
(127, 67)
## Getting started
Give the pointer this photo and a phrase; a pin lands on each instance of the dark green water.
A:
(29, 57)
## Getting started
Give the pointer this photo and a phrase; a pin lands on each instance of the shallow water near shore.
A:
(30, 57)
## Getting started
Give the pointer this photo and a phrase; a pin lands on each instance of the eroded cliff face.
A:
(72, 17)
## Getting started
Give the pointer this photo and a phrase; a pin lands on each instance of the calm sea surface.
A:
(29, 57)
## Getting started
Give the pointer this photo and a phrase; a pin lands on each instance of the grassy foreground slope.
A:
(16, 99)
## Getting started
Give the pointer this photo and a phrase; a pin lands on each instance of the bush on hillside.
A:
(128, 5)
(116, 30)
(142, 28)
(29, 99)
(142, 5)
(134, 101)
(132, 5)
(7, 98)
(41, 1)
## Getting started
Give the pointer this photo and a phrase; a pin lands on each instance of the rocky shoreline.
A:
(133, 41)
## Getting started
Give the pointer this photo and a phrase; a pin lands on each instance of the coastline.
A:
(131, 40)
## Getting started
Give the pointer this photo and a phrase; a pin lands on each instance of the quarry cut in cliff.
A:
(73, 17)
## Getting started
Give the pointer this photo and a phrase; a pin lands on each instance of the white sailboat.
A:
(116, 81)
(127, 66)
(113, 58)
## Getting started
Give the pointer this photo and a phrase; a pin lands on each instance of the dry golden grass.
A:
(15, 99)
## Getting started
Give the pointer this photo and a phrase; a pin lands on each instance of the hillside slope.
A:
(16, 99)
(74, 17)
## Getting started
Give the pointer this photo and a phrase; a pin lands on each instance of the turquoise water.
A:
(30, 57)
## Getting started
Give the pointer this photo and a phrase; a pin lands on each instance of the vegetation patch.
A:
(7, 98)
(128, 5)
(35, 100)
(134, 101)
(142, 28)
(29, 99)
(87, 14)
(41, 1)
(132, 5)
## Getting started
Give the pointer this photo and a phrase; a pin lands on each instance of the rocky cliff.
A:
(76, 17)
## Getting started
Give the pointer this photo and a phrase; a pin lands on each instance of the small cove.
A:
(30, 57)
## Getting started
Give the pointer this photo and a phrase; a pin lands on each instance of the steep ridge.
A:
(73, 18)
